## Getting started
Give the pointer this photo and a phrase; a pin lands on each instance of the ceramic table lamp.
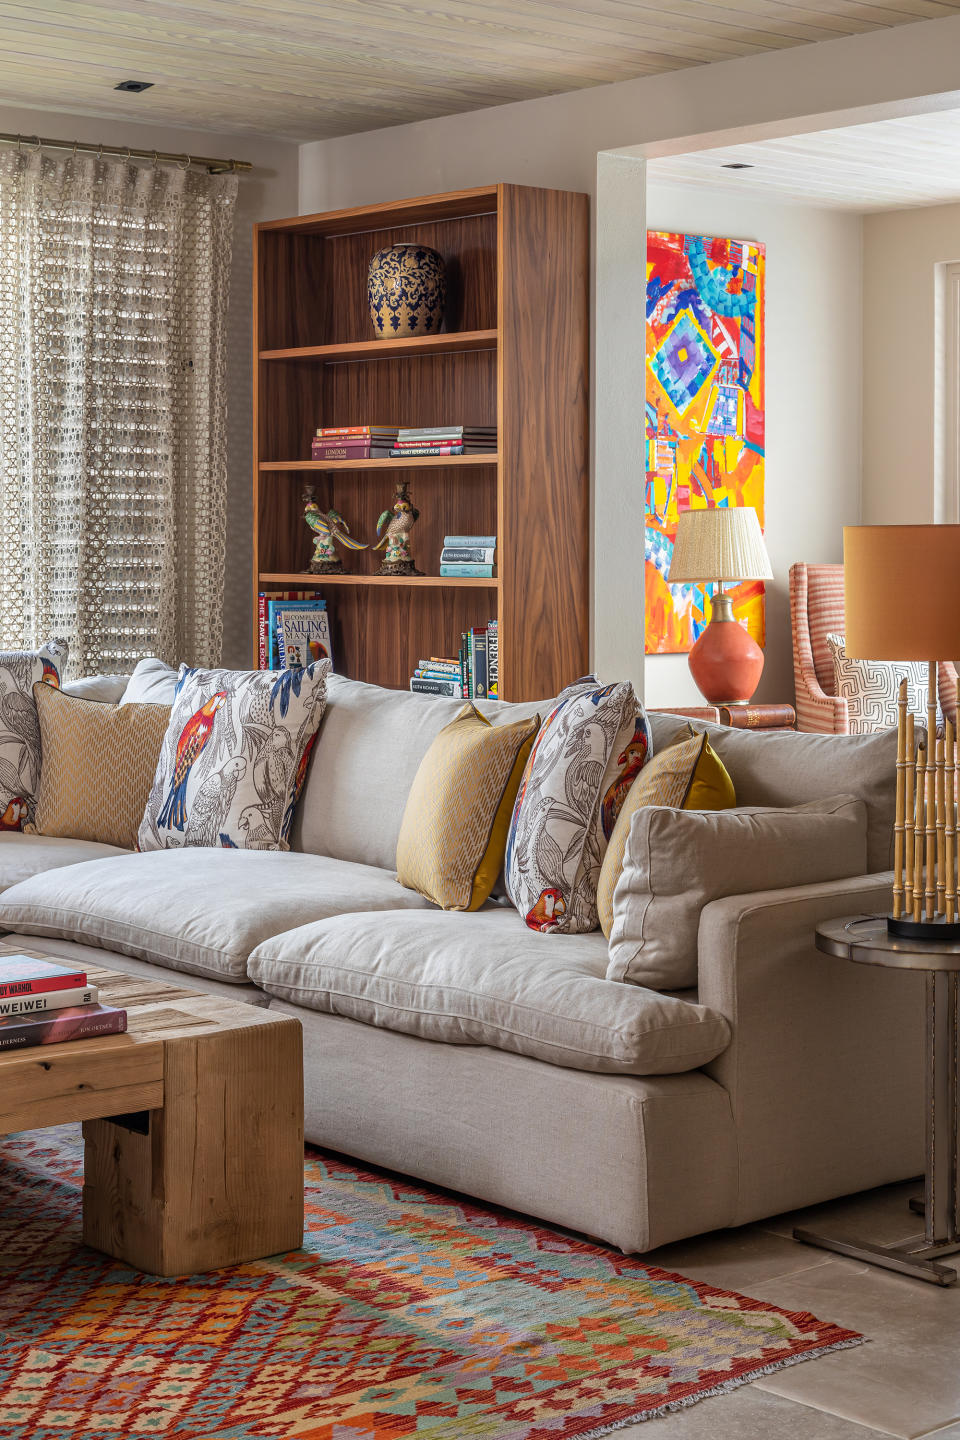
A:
(902, 602)
(722, 546)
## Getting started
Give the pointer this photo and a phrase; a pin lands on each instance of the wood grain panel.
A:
(309, 69)
(544, 440)
(388, 346)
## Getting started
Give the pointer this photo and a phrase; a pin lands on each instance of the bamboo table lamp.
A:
(902, 596)
(717, 545)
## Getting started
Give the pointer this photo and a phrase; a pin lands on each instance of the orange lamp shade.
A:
(902, 591)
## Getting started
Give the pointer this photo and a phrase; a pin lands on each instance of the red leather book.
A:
(32, 975)
(758, 717)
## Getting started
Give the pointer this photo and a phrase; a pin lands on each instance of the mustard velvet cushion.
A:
(687, 776)
(97, 767)
(454, 830)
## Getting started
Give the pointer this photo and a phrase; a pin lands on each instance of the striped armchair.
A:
(816, 611)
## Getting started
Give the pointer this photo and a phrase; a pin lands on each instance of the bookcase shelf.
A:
(390, 348)
(515, 355)
(417, 462)
(301, 581)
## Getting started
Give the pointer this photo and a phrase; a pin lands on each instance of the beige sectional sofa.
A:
(471, 1052)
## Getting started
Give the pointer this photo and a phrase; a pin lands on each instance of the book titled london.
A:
(77, 1022)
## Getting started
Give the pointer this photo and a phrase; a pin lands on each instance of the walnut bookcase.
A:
(515, 353)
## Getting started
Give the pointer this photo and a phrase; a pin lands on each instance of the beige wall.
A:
(903, 352)
(268, 191)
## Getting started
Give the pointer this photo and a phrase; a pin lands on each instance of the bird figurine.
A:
(327, 527)
(394, 528)
(193, 738)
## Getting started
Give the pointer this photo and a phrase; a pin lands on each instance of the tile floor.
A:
(905, 1382)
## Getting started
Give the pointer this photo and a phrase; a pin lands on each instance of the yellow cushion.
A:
(454, 829)
(98, 764)
(687, 776)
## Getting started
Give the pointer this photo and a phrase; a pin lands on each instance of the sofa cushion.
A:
(677, 861)
(98, 765)
(232, 764)
(790, 767)
(153, 682)
(686, 776)
(20, 670)
(485, 979)
(196, 910)
(454, 828)
(367, 753)
(557, 838)
(22, 856)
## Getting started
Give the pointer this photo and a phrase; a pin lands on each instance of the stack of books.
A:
(445, 440)
(293, 632)
(469, 555)
(354, 442)
(473, 675)
(42, 1003)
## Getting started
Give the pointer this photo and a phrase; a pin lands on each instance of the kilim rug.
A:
(406, 1313)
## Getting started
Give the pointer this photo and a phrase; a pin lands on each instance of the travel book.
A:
(349, 449)
(32, 975)
(303, 635)
(76, 1022)
(270, 610)
(50, 1000)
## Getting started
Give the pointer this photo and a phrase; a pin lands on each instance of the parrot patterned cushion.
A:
(589, 750)
(234, 758)
(20, 670)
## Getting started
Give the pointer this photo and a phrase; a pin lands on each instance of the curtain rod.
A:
(215, 167)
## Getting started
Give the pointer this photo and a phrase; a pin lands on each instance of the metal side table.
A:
(865, 939)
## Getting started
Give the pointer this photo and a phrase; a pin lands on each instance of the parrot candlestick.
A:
(399, 522)
(326, 527)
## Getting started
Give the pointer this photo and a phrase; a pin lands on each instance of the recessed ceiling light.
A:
(729, 165)
(134, 87)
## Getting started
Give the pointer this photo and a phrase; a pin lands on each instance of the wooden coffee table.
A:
(193, 1124)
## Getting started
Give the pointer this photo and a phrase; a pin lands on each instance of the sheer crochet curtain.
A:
(113, 295)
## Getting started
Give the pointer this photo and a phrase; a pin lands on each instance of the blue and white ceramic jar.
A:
(407, 290)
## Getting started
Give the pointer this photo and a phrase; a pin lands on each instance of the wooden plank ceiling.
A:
(884, 165)
(308, 69)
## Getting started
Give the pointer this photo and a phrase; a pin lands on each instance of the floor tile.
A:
(906, 1380)
(883, 1216)
(736, 1259)
(748, 1414)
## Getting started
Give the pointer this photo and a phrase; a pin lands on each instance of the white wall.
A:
(813, 395)
(901, 252)
(267, 192)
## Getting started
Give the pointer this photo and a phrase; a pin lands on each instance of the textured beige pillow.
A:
(98, 763)
(677, 861)
(454, 830)
(686, 776)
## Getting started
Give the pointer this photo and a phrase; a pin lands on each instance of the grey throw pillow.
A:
(677, 861)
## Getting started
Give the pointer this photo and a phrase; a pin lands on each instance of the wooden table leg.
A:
(219, 1177)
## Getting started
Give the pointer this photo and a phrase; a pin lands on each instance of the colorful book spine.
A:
(406, 432)
(262, 632)
(464, 665)
(52, 1000)
(80, 1022)
(467, 555)
(411, 452)
(274, 607)
(493, 659)
(25, 975)
(436, 687)
(362, 450)
(480, 662)
(350, 431)
(449, 667)
(468, 572)
(470, 542)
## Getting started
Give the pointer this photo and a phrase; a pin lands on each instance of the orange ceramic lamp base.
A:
(726, 662)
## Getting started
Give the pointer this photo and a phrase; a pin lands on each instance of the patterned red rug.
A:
(406, 1313)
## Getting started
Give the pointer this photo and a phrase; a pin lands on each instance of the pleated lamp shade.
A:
(719, 545)
(902, 591)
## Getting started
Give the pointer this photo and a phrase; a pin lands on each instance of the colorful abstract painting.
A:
(704, 415)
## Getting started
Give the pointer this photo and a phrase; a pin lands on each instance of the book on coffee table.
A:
(76, 1022)
(32, 975)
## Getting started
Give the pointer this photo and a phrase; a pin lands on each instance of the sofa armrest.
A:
(818, 711)
(824, 1069)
